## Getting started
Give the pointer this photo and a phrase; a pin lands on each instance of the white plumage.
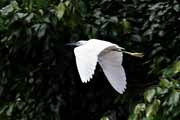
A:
(108, 55)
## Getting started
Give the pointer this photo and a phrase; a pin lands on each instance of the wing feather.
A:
(87, 57)
(111, 63)
(86, 61)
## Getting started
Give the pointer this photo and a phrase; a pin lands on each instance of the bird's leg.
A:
(136, 54)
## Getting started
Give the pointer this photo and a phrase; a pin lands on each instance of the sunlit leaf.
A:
(148, 95)
(176, 67)
(139, 108)
(177, 7)
(10, 110)
(105, 118)
(29, 17)
(60, 10)
(153, 108)
(174, 98)
(172, 70)
(13, 6)
(41, 30)
(126, 25)
(165, 83)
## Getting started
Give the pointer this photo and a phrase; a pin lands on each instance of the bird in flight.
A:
(108, 55)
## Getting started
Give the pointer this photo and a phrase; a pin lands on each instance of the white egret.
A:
(108, 55)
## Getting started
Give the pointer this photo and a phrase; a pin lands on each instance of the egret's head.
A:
(79, 43)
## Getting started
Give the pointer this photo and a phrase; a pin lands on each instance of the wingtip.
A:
(122, 90)
(85, 81)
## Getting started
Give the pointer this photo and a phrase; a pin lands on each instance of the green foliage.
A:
(161, 102)
(39, 81)
(27, 39)
(161, 29)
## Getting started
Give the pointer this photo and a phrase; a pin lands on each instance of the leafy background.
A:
(38, 75)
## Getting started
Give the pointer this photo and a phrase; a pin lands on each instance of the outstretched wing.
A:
(111, 63)
(87, 57)
(86, 61)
